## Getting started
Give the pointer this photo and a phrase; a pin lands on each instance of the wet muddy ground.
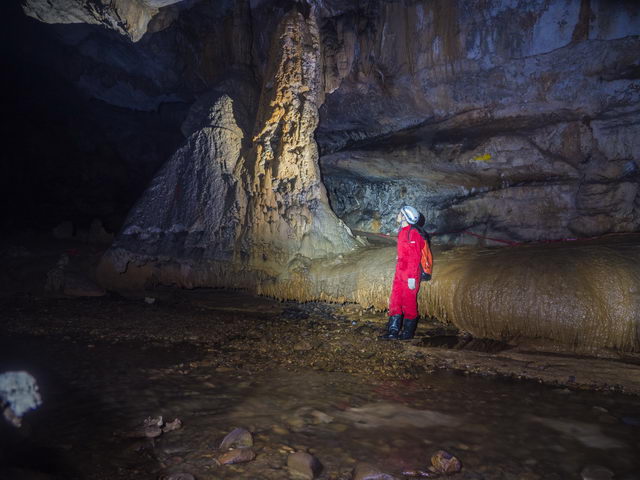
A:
(301, 377)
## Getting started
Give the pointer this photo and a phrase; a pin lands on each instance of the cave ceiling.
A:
(468, 110)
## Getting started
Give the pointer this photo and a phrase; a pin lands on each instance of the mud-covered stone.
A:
(237, 455)
(303, 465)
(19, 393)
(237, 438)
(444, 462)
(366, 471)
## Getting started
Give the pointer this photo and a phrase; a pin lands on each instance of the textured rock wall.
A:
(514, 119)
(225, 202)
(289, 210)
(127, 17)
(518, 120)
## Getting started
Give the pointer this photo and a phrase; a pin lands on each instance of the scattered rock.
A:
(63, 231)
(280, 430)
(171, 426)
(237, 455)
(152, 428)
(596, 472)
(366, 471)
(237, 438)
(321, 417)
(420, 473)
(303, 465)
(155, 422)
(18, 394)
(152, 431)
(444, 462)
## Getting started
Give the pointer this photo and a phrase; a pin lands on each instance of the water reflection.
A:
(500, 430)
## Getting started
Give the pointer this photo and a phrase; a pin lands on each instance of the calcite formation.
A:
(18, 394)
(581, 297)
(515, 121)
(225, 214)
(518, 122)
(127, 17)
(289, 210)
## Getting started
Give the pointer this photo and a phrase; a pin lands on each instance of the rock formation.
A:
(517, 123)
(223, 212)
(289, 211)
(18, 394)
(127, 17)
(514, 120)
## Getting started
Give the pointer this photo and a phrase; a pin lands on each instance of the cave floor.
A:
(308, 377)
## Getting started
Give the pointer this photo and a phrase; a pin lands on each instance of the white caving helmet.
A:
(410, 214)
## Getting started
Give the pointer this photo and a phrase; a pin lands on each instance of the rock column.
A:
(289, 212)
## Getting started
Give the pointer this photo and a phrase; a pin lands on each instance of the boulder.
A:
(444, 462)
(366, 471)
(303, 465)
(237, 438)
(237, 455)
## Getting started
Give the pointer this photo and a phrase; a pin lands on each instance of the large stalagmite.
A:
(289, 212)
(228, 210)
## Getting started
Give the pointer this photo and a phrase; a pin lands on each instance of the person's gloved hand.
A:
(412, 283)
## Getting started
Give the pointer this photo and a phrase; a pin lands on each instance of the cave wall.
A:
(512, 119)
(95, 110)
(516, 120)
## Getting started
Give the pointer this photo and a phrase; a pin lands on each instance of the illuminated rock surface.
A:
(516, 122)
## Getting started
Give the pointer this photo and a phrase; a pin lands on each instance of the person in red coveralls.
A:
(414, 258)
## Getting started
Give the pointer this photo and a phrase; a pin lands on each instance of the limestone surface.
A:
(18, 394)
(498, 120)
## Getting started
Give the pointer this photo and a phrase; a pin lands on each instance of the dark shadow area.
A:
(86, 389)
(68, 156)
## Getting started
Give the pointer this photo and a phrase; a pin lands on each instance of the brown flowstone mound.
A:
(583, 297)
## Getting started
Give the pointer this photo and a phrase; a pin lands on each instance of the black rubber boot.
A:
(393, 328)
(409, 329)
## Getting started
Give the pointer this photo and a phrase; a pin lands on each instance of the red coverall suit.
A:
(406, 282)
